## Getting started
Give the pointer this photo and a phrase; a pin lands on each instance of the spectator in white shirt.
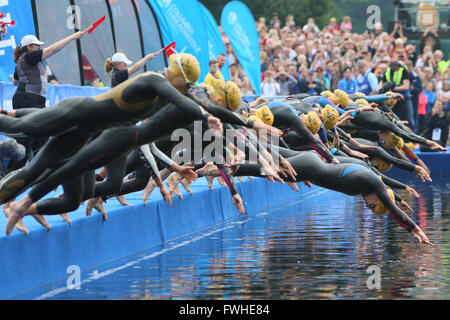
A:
(269, 87)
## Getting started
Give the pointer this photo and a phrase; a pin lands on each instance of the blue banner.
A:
(239, 25)
(22, 14)
(55, 93)
(215, 43)
(180, 21)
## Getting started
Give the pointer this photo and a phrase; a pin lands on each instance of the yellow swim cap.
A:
(326, 93)
(392, 141)
(255, 118)
(380, 208)
(329, 117)
(207, 86)
(311, 121)
(383, 165)
(185, 65)
(227, 92)
(342, 97)
(391, 101)
(265, 115)
(362, 102)
(359, 94)
(410, 145)
(400, 143)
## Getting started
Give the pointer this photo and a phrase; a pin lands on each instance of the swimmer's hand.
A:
(422, 174)
(358, 154)
(420, 236)
(167, 196)
(412, 191)
(423, 165)
(185, 171)
(307, 183)
(370, 107)
(345, 118)
(239, 203)
(215, 125)
(287, 169)
(270, 130)
(335, 160)
(360, 145)
(293, 186)
(436, 146)
(336, 141)
(405, 206)
(394, 95)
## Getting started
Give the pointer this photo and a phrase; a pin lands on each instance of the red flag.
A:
(96, 24)
(170, 49)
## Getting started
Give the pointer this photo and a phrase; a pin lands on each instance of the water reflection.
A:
(314, 249)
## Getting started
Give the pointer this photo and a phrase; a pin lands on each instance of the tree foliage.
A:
(320, 10)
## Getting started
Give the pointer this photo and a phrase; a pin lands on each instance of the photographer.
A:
(430, 38)
(311, 86)
(269, 87)
(397, 33)
(436, 125)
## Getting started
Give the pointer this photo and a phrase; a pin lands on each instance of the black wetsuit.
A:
(286, 119)
(74, 121)
(114, 142)
(348, 178)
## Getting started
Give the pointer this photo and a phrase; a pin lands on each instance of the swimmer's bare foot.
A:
(210, 180)
(221, 181)
(306, 183)
(6, 205)
(40, 218)
(209, 169)
(187, 186)
(99, 207)
(241, 179)
(148, 191)
(16, 211)
(293, 186)
(66, 218)
(90, 205)
(251, 178)
(173, 181)
(21, 227)
(123, 202)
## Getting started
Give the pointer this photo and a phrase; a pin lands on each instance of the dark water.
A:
(317, 247)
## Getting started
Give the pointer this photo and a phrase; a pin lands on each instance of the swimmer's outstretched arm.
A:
(399, 216)
(168, 92)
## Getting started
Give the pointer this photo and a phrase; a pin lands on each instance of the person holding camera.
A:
(436, 125)
(269, 87)
(397, 32)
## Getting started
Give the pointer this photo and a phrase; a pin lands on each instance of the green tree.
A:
(320, 10)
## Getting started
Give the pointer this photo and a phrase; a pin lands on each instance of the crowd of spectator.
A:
(306, 59)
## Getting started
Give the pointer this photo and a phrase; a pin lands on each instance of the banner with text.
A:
(180, 21)
(239, 25)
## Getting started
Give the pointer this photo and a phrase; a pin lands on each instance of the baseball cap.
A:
(30, 39)
(120, 57)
